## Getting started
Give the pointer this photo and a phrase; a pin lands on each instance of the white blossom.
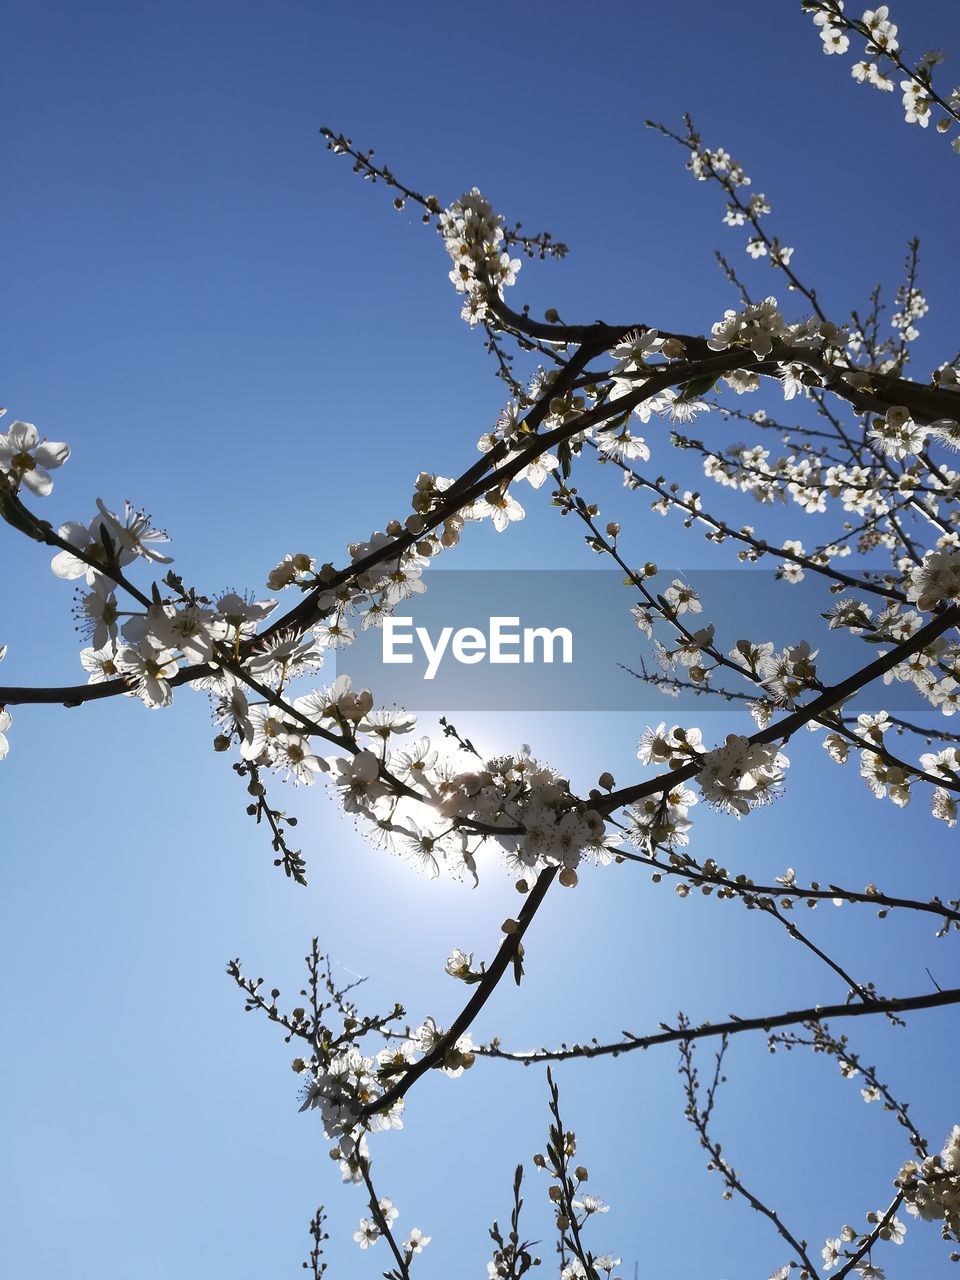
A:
(27, 460)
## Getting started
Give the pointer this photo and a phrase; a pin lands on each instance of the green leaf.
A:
(616, 423)
(107, 543)
(563, 455)
(697, 387)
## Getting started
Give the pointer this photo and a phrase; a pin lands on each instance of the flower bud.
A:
(898, 415)
(282, 575)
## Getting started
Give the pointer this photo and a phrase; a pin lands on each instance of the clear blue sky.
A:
(231, 331)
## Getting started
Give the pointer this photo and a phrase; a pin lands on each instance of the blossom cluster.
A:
(892, 779)
(412, 800)
(884, 59)
(720, 166)
(369, 1232)
(473, 236)
(888, 1228)
(761, 325)
(932, 1188)
(344, 1086)
(741, 775)
(736, 777)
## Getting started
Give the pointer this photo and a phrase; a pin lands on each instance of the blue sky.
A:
(231, 332)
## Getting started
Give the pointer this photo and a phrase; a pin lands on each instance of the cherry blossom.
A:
(27, 460)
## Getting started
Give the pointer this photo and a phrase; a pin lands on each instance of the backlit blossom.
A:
(27, 460)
